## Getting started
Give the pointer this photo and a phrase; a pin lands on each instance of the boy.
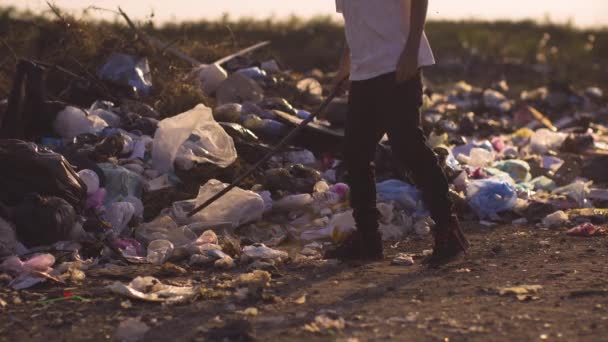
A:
(386, 46)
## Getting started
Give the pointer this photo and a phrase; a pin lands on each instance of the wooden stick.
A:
(158, 43)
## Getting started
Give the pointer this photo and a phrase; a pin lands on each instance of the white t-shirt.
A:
(377, 31)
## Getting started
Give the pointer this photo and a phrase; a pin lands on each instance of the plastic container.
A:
(159, 251)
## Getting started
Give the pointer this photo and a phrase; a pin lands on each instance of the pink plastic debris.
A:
(498, 144)
(129, 247)
(340, 189)
(586, 230)
(39, 263)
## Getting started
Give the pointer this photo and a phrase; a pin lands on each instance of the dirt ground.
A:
(377, 301)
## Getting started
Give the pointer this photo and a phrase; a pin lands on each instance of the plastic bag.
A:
(193, 135)
(480, 157)
(42, 221)
(28, 168)
(293, 202)
(260, 251)
(164, 228)
(545, 140)
(519, 170)
(120, 183)
(543, 183)
(406, 195)
(73, 121)
(578, 191)
(236, 207)
(128, 70)
(37, 263)
(340, 226)
(119, 214)
(555, 219)
(238, 88)
(491, 196)
(91, 179)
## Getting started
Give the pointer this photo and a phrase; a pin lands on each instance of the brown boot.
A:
(358, 246)
(450, 242)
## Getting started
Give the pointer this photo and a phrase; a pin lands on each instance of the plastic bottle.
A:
(159, 251)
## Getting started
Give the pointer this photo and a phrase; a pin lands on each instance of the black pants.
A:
(377, 106)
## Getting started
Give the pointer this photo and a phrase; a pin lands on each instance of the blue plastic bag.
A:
(490, 196)
(128, 70)
(404, 194)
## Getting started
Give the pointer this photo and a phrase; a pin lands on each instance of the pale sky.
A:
(584, 13)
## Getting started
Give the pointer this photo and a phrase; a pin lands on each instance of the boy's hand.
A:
(407, 67)
(340, 82)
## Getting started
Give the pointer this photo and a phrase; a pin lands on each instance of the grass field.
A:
(524, 53)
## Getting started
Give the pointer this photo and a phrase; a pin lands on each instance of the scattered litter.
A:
(403, 259)
(151, 289)
(587, 230)
(522, 293)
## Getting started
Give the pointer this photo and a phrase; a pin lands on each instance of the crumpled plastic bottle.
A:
(159, 251)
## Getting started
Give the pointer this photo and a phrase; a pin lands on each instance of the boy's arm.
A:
(344, 68)
(408, 62)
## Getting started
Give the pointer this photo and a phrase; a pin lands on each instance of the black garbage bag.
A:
(294, 179)
(27, 168)
(42, 221)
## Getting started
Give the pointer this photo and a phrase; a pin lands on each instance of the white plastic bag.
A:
(555, 219)
(73, 121)
(236, 207)
(480, 157)
(194, 135)
(545, 140)
(340, 226)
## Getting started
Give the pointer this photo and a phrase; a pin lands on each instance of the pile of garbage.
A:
(82, 182)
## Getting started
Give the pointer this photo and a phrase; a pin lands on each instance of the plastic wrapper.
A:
(194, 136)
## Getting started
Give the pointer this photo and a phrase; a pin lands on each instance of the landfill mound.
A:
(111, 186)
